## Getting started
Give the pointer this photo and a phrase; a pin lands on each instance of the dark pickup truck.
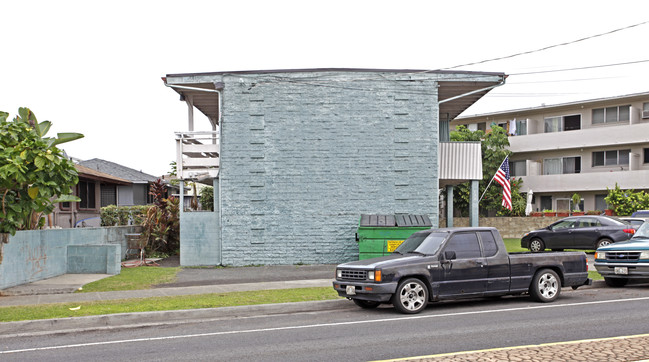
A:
(454, 263)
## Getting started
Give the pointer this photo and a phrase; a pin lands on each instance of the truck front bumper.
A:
(377, 292)
(633, 270)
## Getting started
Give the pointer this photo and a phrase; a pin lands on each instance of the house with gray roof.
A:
(135, 193)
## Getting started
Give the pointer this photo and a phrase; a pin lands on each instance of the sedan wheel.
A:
(536, 245)
(546, 286)
(411, 296)
(604, 242)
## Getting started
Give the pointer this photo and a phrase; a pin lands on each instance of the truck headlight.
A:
(644, 254)
(600, 255)
(339, 274)
(374, 275)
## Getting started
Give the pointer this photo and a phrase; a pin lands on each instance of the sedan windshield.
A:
(422, 243)
(643, 232)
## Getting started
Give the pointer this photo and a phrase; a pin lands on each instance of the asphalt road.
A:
(353, 334)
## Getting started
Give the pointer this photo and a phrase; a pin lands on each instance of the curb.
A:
(148, 319)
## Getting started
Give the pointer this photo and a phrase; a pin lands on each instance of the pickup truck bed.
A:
(454, 263)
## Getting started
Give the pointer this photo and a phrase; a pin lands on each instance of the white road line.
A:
(261, 330)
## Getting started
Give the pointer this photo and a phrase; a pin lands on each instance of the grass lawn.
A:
(133, 279)
(62, 310)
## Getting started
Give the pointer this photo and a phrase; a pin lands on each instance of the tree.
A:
(493, 145)
(207, 198)
(34, 173)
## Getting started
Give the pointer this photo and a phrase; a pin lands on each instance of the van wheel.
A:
(366, 304)
(616, 282)
(537, 245)
(411, 296)
(546, 286)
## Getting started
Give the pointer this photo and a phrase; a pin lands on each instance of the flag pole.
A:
(492, 179)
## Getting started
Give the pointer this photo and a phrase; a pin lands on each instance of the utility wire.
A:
(544, 48)
(580, 68)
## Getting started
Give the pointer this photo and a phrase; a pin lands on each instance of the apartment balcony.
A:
(197, 155)
(589, 181)
(600, 136)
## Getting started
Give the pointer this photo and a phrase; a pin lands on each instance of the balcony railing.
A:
(197, 155)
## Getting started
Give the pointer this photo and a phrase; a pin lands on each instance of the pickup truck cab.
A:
(624, 261)
(451, 263)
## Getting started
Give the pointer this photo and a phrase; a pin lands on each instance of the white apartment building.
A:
(580, 147)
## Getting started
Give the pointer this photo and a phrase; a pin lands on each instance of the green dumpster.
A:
(379, 235)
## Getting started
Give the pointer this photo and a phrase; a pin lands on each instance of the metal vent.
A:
(354, 274)
(623, 255)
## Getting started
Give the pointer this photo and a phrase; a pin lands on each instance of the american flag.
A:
(502, 177)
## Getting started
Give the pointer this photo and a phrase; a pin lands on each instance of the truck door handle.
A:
(481, 263)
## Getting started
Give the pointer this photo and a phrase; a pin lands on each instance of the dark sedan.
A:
(578, 232)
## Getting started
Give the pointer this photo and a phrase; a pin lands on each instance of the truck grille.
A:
(623, 255)
(354, 274)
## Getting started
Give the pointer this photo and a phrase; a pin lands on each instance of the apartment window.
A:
(87, 195)
(553, 124)
(546, 202)
(482, 126)
(521, 128)
(600, 204)
(561, 165)
(645, 110)
(646, 155)
(517, 168)
(611, 114)
(612, 158)
(64, 206)
(562, 123)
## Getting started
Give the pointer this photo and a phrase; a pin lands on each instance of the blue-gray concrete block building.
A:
(296, 156)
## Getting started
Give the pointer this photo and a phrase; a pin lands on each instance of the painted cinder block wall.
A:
(34, 255)
(304, 154)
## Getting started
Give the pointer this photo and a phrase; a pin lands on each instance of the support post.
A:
(473, 203)
(449, 206)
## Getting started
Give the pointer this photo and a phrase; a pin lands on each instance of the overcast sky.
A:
(95, 67)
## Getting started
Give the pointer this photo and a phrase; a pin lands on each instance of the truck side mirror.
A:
(450, 255)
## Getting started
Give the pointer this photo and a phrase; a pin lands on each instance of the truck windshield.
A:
(643, 231)
(424, 243)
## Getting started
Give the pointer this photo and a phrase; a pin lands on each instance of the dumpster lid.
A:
(395, 220)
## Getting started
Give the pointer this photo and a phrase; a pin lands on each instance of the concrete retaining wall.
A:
(34, 255)
(509, 227)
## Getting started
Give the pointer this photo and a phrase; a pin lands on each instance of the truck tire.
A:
(536, 245)
(603, 242)
(616, 282)
(546, 286)
(366, 304)
(411, 296)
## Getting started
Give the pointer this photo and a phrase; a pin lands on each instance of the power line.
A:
(544, 48)
(581, 68)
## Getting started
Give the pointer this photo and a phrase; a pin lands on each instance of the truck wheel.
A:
(603, 242)
(546, 286)
(411, 296)
(536, 245)
(616, 282)
(366, 304)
